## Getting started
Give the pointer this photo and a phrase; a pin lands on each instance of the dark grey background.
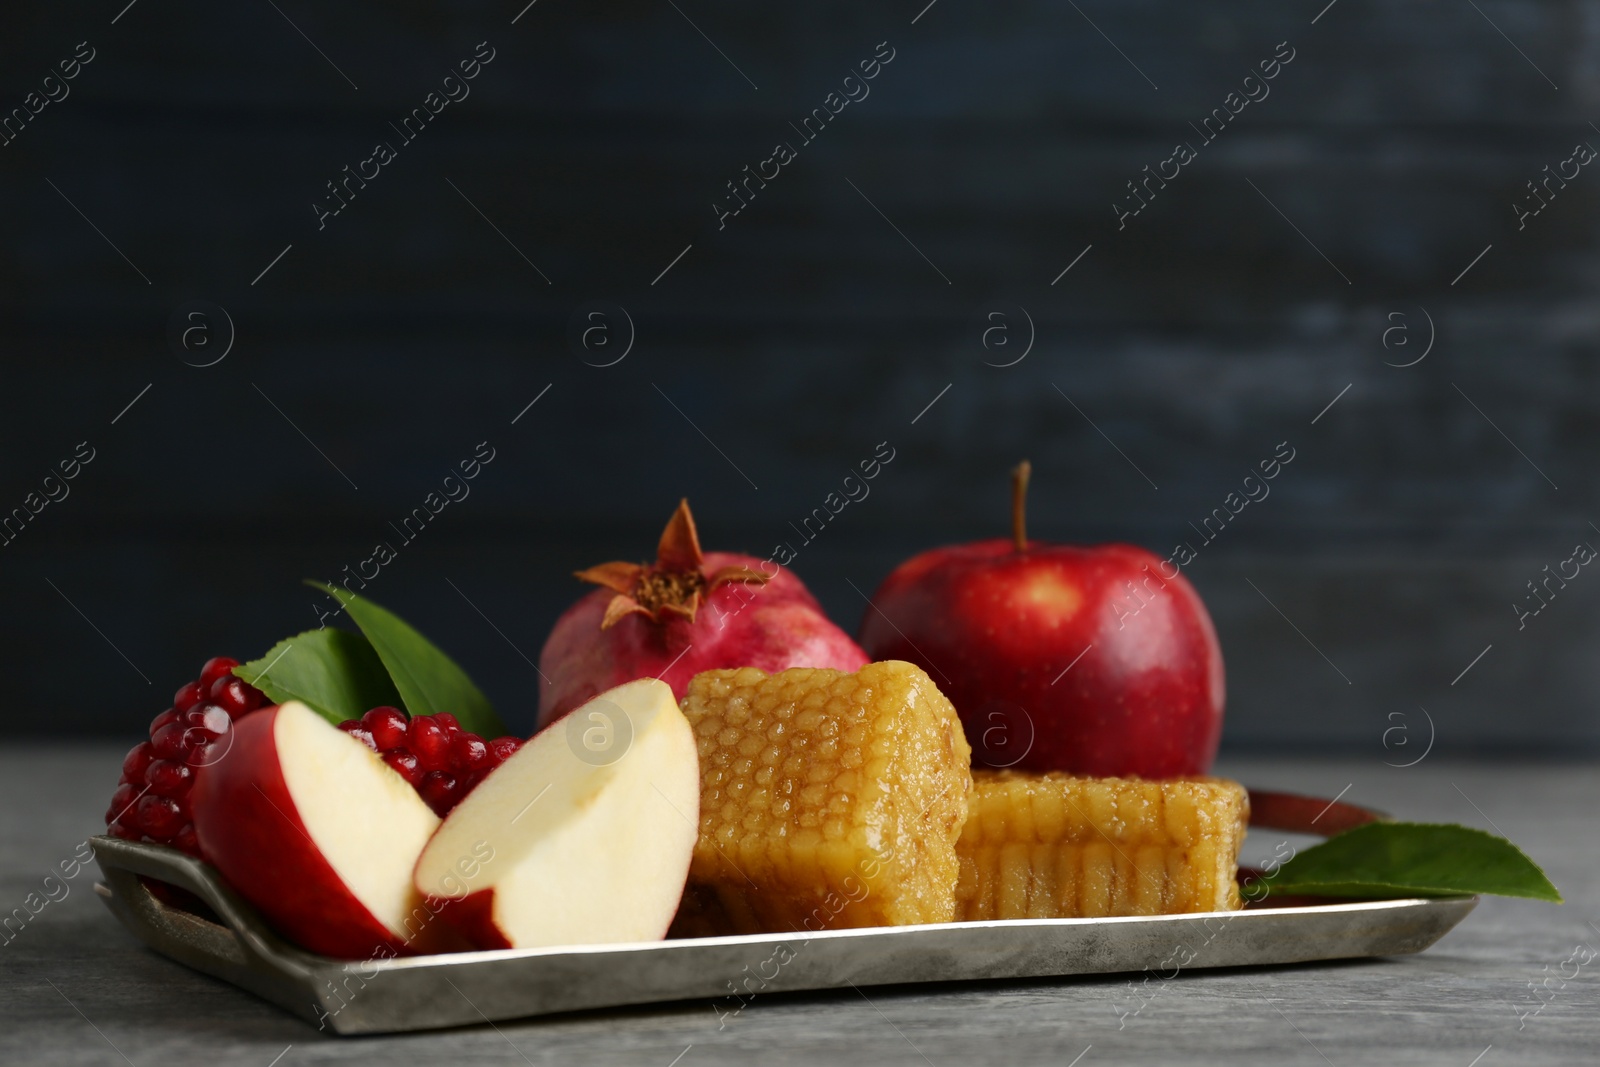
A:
(809, 329)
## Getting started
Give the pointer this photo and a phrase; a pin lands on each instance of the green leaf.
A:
(1404, 859)
(428, 680)
(334, 672)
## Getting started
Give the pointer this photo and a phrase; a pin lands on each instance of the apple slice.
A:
(584, 836)
(314, 829)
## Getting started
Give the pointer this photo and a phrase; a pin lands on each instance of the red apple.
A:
(314, 829)
(1097, 660)
(581, 837)
(687, 612)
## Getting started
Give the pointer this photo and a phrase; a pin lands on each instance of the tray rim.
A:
(164, 856)
(245, 952)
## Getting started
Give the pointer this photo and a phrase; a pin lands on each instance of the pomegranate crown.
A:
(675, 584)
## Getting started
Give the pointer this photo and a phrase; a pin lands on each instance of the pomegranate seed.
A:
(440, 790)
(137, 759)
(357, 730)
(211, 718)
(160, 817)
(429, 742)
(216, 667)
(448, 721)
(126, 793)
(187, 697)
(388, 726)
(168, 778)
(171, 715)
(406, 764)
(170, 742)
(502, 749)
(216, 720)
(186, 840)
(123, 831)
(234, 695)
(469, 753)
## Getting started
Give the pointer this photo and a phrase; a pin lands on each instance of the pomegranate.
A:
(685, 613)
(151, 802)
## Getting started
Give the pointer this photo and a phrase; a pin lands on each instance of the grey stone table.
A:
(77, 989)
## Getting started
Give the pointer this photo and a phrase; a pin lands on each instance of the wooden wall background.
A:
(1214, 326)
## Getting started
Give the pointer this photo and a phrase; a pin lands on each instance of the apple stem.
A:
(1019, 504)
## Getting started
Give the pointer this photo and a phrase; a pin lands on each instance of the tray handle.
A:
(1300, 814)
(131, 892)
(239, 937)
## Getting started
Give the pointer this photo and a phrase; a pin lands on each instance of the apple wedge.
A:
(314, 829)
(582, 837)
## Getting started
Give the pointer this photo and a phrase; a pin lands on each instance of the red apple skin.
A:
(773, 626)
(250, 830)
(991, 625)
(472, 916)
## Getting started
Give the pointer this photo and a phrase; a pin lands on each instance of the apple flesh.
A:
(313, 828)
(1096, 660)
(582, 837)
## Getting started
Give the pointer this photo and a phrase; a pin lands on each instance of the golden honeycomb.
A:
(828, 800)
(1054, 845)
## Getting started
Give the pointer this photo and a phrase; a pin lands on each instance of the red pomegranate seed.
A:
(187, 697)
(211, 718)
(502, 748)
(469, 753)
(429, 742)
(169, 742)
(216, 720)
(356, 729)
(169, 778)
(234, 695)
(171, 715)
(137, 759)
(406, 764)
(125, 795)
(388, 726)
(186, 840)
(122, 830)
(448, 721)
(441, 790)
(216, 667)
(160, 817)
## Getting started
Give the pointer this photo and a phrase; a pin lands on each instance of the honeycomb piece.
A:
(1042, 846)
(827, 800)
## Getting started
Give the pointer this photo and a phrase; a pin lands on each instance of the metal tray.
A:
(428, 992)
